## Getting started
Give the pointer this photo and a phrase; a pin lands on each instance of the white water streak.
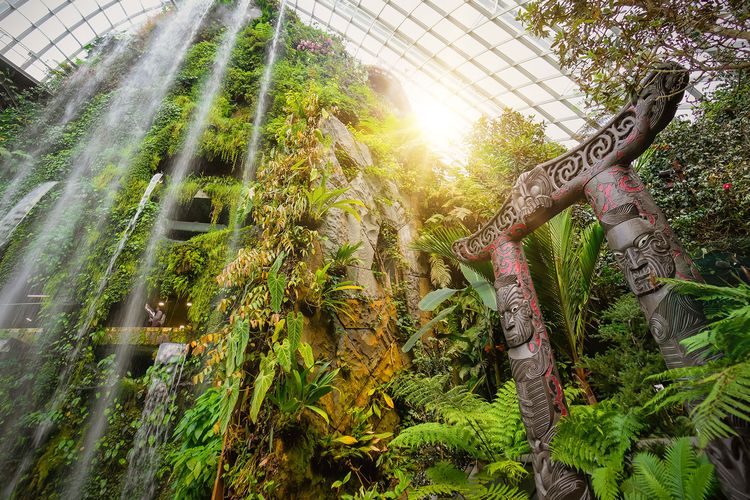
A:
(250, 163)
(134, 307)
(126, 121)
(43, 429)
(143, 459)
(76, 91)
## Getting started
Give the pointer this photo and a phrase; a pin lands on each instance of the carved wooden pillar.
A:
(532, 362)
(646, 249)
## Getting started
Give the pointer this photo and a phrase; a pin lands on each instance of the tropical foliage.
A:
(562, 265)
(338, 347)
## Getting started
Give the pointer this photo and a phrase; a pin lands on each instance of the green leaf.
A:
(306, 352)
(283, 355)
(483, 287)
(294, 325)
(436, 297)
(277, 263)
(319, 411)
(276, 285)
(263, 382)
(229, 401)
(277, 330)
(416, 336)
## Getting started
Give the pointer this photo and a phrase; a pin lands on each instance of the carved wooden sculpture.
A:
(645, 249)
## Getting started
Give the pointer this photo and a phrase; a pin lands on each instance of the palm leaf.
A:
(438, 240)
(418, 334)
(680, 460)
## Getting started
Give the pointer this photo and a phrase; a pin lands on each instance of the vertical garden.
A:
(239, 173)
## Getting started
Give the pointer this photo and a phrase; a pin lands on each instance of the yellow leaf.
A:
(346, 440)
(388, 400)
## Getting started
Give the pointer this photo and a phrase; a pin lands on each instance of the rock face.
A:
(364, 344)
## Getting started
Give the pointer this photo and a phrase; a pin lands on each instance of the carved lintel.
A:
(540, 392)
(552, 186)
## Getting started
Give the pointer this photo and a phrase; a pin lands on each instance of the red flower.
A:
(727, 186)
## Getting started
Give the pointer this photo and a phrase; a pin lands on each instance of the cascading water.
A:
(143, 459)
(134, 306)
(42, 430)
(13, 218)
(128, 117)
(125, 122)
(250, 163)
(66, 104)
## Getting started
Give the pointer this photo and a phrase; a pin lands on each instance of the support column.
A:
(646, 249)
(540, 392)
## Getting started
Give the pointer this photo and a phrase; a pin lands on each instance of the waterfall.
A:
(134, 306)
(14, 217)
(66, 105)
(43, 429)
(250, 163)
(143, 459)
(126, 121)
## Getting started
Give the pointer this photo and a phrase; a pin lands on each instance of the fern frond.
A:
(447, 481)
(681, 475)
(432, 434)
(440, 273)
(651, 472)
(495, 430)
(605, 481)
(701, 483)
(501, 491)
(729, 395)
(507, 470)
(438, 240)
(595, 436)
(680, 460)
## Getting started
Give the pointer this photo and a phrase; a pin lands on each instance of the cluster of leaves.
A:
(595, 439)
(611, 45)
(462, 424)
(699, 171)
(719, 390)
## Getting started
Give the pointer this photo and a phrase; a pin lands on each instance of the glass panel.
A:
(468, 44)
(426, 15)
(15, 24)
(52, 28)
(448, 30)
(467, 15)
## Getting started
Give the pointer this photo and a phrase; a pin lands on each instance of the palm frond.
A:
(562, 266)
(437, 240)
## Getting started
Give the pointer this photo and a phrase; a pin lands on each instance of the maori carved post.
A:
(645, 249)
(532, 362)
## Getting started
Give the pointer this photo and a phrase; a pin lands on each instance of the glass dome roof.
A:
(37, 36)
(456, 59)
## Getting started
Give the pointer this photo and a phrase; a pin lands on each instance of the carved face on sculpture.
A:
(514, 311)
(643, 253)
(532, 192)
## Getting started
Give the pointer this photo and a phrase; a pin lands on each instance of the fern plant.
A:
(436, 241)
(720, 389)
(681, 474)
(464, 422)
(447, 481)
(595, 440)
